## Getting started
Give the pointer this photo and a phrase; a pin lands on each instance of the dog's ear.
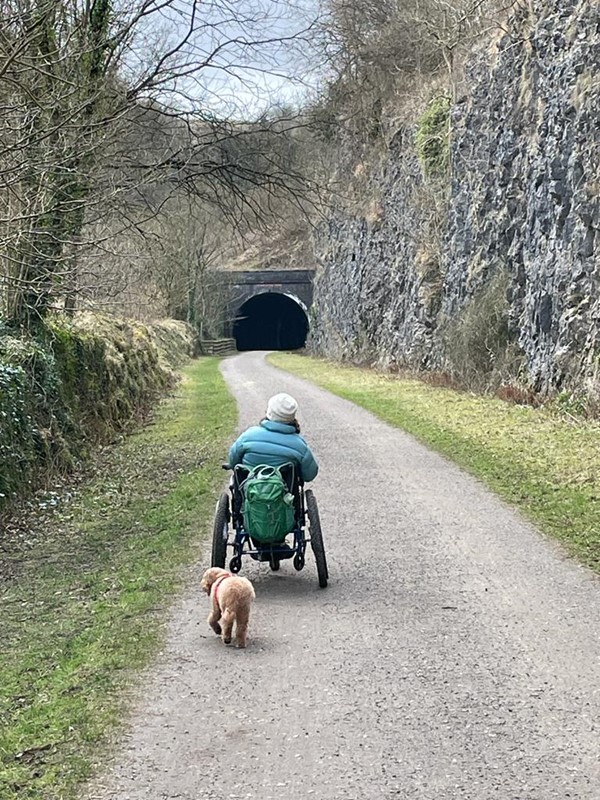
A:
(209, 577)
(212, 573)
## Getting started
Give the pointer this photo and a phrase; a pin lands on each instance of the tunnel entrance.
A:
(270, 321)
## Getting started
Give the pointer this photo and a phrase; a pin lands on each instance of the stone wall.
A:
(524, 198)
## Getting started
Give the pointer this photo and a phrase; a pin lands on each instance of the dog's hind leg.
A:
(227, 620)
(213, 620)
(241, 626)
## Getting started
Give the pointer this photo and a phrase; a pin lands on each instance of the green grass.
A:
(83, 608)
(544, 463)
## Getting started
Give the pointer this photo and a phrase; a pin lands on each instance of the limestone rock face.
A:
(371, 300)
(524, 198)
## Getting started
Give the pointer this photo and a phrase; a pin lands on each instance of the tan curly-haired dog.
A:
(231, 599)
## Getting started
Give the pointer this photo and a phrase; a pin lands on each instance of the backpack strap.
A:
(266, 470)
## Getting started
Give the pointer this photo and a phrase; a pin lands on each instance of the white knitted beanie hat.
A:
(282, 408)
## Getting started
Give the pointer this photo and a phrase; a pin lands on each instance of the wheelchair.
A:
(229, 532)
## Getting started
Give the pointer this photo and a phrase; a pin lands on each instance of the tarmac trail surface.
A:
(455, 653)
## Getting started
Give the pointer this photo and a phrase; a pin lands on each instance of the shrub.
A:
(479, 346)
(432, 140)
(15, 429)
(33, 417)
(517, 394)
(583, 402)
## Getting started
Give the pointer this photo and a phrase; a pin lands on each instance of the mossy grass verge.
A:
(82, 607)
(542, 462)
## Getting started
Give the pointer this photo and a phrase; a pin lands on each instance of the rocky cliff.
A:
(522, 202)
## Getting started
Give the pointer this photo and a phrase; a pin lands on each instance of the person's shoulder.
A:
(253, 430)
(249, 433)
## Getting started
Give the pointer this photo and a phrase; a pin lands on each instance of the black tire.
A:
(316, 537)
(220, 532)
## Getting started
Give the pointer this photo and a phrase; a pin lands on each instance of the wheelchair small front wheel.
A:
(235, 564)
(299, 562)
(220, 532)
(316, 537)
(274, 562)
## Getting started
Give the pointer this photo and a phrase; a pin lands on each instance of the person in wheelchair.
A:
(275, 441)
(261, 458)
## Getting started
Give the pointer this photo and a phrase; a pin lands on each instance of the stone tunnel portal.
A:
(271, 321)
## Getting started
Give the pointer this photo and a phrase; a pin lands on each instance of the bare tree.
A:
(192, 249)
(378, 48)
(111, 107)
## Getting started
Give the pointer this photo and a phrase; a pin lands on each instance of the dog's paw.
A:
(227, 640)
(216, 628)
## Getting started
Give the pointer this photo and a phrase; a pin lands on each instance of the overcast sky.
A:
(255, 53)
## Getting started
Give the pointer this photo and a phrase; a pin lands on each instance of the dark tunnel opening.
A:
(270, 322)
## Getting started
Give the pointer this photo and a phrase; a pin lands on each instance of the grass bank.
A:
(544, 463)
(85, 586)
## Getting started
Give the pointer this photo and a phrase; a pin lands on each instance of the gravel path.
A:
(455, 653)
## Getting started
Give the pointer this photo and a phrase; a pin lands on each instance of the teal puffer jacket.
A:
(273, 443)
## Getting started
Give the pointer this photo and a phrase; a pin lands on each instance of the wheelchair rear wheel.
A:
(316, 537)
(220, 532)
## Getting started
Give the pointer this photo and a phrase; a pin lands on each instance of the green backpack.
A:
(268, 505)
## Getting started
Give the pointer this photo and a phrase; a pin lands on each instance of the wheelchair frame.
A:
(229, 511)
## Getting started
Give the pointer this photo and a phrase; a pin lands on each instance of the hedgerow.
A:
(77, 383)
